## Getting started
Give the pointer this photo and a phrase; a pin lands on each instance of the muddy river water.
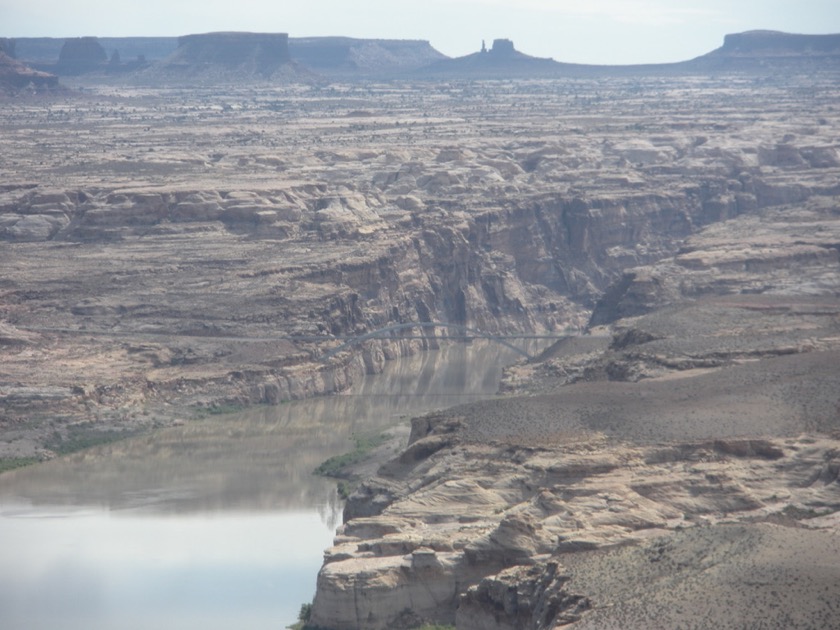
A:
(214, 524)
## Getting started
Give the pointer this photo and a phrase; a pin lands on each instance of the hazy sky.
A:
(586, 31)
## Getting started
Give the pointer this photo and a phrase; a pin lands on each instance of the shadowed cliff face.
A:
(771, 51)
(79, 55)
(265, 50)
(348, 56)
(777, 43)
(226, 57)
(15, 75)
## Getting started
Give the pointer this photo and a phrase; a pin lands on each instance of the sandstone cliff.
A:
(16, 76)
(349, 56)
(226, 57)
(771, 51)
(752, 52)
(501, 60)
(276, 238)
(167, 250)
(716, 407)
(762, 52)
(79, 55)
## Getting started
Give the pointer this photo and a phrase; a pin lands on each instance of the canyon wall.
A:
(348, 56)
(79, 55)
(205, 251)
(711, 401)
(226, 56)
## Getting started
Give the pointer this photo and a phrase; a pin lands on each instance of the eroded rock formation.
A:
(718, 406)
(778, 43)
(762, 52)
(321, 214)
(751, 52)
(81, 54)
(350, 56)
(502, 60)
(227, 57)
(16, 76)
(772, 51)
(209, 248)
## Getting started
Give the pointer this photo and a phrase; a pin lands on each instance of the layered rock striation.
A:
(501, 60)
(16, 76)
(693, 444)
(80, 55)
(750, 52)
(771, 51)
(165, 250)
(347, 56)
(226, 57)
(245, 236)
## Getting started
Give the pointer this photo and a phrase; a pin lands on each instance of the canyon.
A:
(170, 251)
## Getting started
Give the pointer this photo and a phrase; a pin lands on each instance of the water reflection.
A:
(93, 569)
(215, 524)
(262, 458)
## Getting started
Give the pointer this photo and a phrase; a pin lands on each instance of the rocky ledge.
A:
(679, 467)
(223, 58)
(17, 77)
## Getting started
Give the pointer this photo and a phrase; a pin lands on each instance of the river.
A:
(214, 524)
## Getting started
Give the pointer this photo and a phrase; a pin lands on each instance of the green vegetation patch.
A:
(11, 463)
(80, 438)
(305, 615)
(218, 410)
(337, 466)
(802, 514)
(303, 619)
(345, 489)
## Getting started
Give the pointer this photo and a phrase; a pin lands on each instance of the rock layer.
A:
(226, 57)
(81, 54)
(714, 408)
(16, 76)
(349, 56)
(210, 250)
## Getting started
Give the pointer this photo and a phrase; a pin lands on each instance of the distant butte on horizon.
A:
(276, 56)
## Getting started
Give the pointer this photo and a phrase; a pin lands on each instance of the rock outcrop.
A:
(43, 52)
(16, 76)
(80, 55)
(227, 57)
(219, 245)
(502, 60)
(752, 52)
(718, 406)
(7, 46)
(779, 43)
(180, 250)
(264, 52)
(501, 524)
(771, 51)
(348, 56)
